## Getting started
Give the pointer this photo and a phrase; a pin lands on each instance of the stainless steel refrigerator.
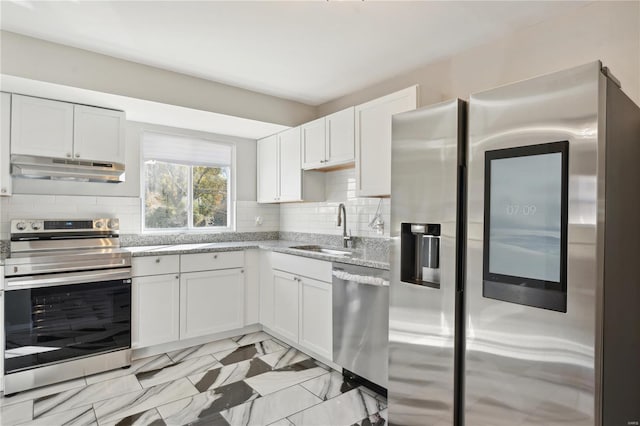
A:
(514, 298)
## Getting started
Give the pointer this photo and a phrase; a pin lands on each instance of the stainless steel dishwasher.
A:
(361, 322)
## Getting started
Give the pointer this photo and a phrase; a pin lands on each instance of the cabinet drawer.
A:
(317, 269)
(211, 261)
(155, 265)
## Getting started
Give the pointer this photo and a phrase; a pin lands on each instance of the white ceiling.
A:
(309, 51)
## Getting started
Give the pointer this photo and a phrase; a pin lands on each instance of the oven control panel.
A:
(30, 226)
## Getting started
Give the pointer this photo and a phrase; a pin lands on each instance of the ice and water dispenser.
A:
(420, 254)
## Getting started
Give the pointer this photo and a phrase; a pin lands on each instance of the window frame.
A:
(231, 185)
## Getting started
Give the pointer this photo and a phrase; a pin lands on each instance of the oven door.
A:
(58, 317)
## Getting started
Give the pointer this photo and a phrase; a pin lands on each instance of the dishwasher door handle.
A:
(360, 279)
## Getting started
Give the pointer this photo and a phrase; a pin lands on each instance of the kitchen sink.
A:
(323, 250)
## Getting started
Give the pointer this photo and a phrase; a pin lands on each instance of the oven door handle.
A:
(49, 280)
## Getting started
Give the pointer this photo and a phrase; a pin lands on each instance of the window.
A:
(187, 183)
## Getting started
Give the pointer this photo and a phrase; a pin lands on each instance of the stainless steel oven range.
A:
(67, 301)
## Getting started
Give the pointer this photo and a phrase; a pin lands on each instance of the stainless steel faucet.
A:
(342, 221)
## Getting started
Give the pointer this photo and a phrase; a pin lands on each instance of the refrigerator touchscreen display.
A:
(526, 215)
(526, 195)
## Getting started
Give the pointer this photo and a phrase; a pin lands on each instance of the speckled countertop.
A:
(361, 257)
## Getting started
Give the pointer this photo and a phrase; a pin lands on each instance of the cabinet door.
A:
(98, 134)
(211, 302)
(41, 127)
(290, 170)
(268, 174)
(285, 304)
(373, 141)
(155, 310)
(5, 140)
(340, 144)
(316, 325)
(313, 140)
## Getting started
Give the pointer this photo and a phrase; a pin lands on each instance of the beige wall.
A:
(37, 59)
(609, 31)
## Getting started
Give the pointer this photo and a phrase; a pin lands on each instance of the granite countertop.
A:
(361, 257)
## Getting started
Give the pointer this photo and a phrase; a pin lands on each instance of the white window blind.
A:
(185, 150)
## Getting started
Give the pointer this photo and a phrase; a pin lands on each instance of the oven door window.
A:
(45, 325)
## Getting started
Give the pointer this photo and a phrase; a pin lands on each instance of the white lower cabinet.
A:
(177, 297)
(156, 313)
(302, 302)
(285, 304)
(211, 302)
(316, 330)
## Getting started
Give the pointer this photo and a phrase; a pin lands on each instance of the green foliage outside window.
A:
(175, 191)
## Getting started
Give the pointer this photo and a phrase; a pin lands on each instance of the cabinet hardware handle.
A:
(77, 155)
(4, 191)
(215, 256)
(177, 277)
(242, 271)
(68, 155)
(157, 260)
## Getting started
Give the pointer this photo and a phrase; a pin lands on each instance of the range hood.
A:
(33, 167)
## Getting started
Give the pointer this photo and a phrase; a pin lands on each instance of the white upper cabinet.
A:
(41, 127)
(290, 170)
(47, 128)
(329, 141)
(280, 175)
(5, 137)
(340, 140)
(268, 170)
(373, 140)
(313, 141)
(98, 134)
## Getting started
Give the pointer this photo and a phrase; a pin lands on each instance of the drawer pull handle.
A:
(158, 260)
(215, 256)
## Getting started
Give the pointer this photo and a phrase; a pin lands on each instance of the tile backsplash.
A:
(316, 217)
(127, 209)
(321, 217)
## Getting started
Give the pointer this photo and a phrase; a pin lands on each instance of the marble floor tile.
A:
(329, 385)
(229, 374)
(373, 420)
(244, 353)
(201, 350)
(137, 402)
(281, 422)
(382, 399)
(283, 358)
(137, 366)
(346, 409)
(178, 370)
(271, 408)
(146, 418)
(248, 339)
(206, 405)
(42, 391)
(80, 416)
(285, 377)
(16, 413)
(65, 401)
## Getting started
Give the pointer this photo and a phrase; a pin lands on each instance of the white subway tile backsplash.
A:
(321, 217)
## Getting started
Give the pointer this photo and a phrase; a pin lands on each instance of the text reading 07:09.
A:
(524, 210)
